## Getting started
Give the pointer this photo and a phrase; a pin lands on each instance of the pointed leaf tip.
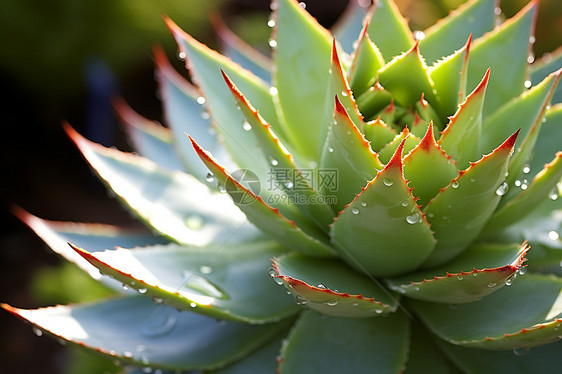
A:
(340, 109)
(396, 160)
(428, 141)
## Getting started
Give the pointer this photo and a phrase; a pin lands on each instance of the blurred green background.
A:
(60, 60)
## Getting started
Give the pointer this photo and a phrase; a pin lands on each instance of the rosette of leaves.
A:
(364, 203)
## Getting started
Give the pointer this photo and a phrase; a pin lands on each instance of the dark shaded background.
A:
(58, 62)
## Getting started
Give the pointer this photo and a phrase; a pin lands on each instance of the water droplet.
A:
(363, 204)
(321, 286)
(460, 277)
(521, 351)
(278, 280)
(472, 180)
(517, 183)
(182, 55)
(289, 185)
(125, 287)
(128, 354)
(271, 23)
(492, 284)
(246, 125)
(455, 184)
(502, 189)
(344, 93)
(201, 100)
(528, 84)
(37, 331)
(273, 5)
(302, 5)
(210, 177)
(332, 302)
(524, 186)
(273, 91)
(530, 58)
(272, 272)
(159, 324)
(522, 270)
(413, 218)
(273, 43)
(193, 305)
(526, 169)
(205, 269)
(419, 35)
(355, 211)
(387, 182)
(532, 39)
(142, 290)
(497, 11)
(157, 300)
(553, 196)
(221, 188)
(405, 203)
(330, 149)
(511, 279)
(300, 300)
(205, 115)
(553, 235)
(194, 221)
(475, 274)
(272, 160)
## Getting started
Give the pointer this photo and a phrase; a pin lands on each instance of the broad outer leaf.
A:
(135, 331)
(349, 155)
(94, 236)
(505, 52)
(225, 281)
(150, 139)
(443, 170)
(479, 271)
(527, 314)
(538, 360)
(474, 16)
(382, 231)
(300, 190)
(389, 30)
(461, 138)
(527, 200)
(331, 287)
(319, 345)
(460, 211)
(175, 204)
(267, 219)
(184, 115)
(205, 65)
(302, 54)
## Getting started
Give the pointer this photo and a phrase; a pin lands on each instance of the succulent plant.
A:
(394, 198)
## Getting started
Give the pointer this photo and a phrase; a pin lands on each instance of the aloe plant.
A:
(366, 211)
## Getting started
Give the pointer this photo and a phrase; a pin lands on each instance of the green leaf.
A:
(424, 356)
(348, 345)
(461, 138)
(231, 286)
(299, 189)
(241, 52)
(543, 67)
(509, 42)
(525, 112)
(410, 142)
(338, 86)
(332, 288)
(389, 30)
(475, 16)
(459, 212)
(379, 134)
(267, 219)
(526, 314)
(348, 153)
(167, 201)
(407, 79)
(150, 139)
(205, 66)
(449, 79)
(527, 200)
(95, 237)
(382, 231)
(263, 360)
(302, 55)
(135, 331)
(367, 60)
(539, 360)
(427, 152)
(185, 115)
(477, 272)
(548, 142)
(374, 100)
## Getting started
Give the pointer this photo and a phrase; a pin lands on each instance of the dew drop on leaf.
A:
(157, 300)
(201, 100)
(160, 323)
(528, 84)
(246, 125)
(209, 177)
(37, 331)
(460, 277)
(502, 189)
(455, 184)
(273, 43)
(492, 284)
(363, 204)
(271, 23)
(142, 290)
(355, 211)
(321, 286)
(511, 279)
(125, 287)
(387, 182)
(193, 305)
(299, 300)
(332, 302)
(273, 91)
(526, 169)
(205, 269)
(553, 235)
(330, 149)
(413, 218)
(419, 35)
(522, 270)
